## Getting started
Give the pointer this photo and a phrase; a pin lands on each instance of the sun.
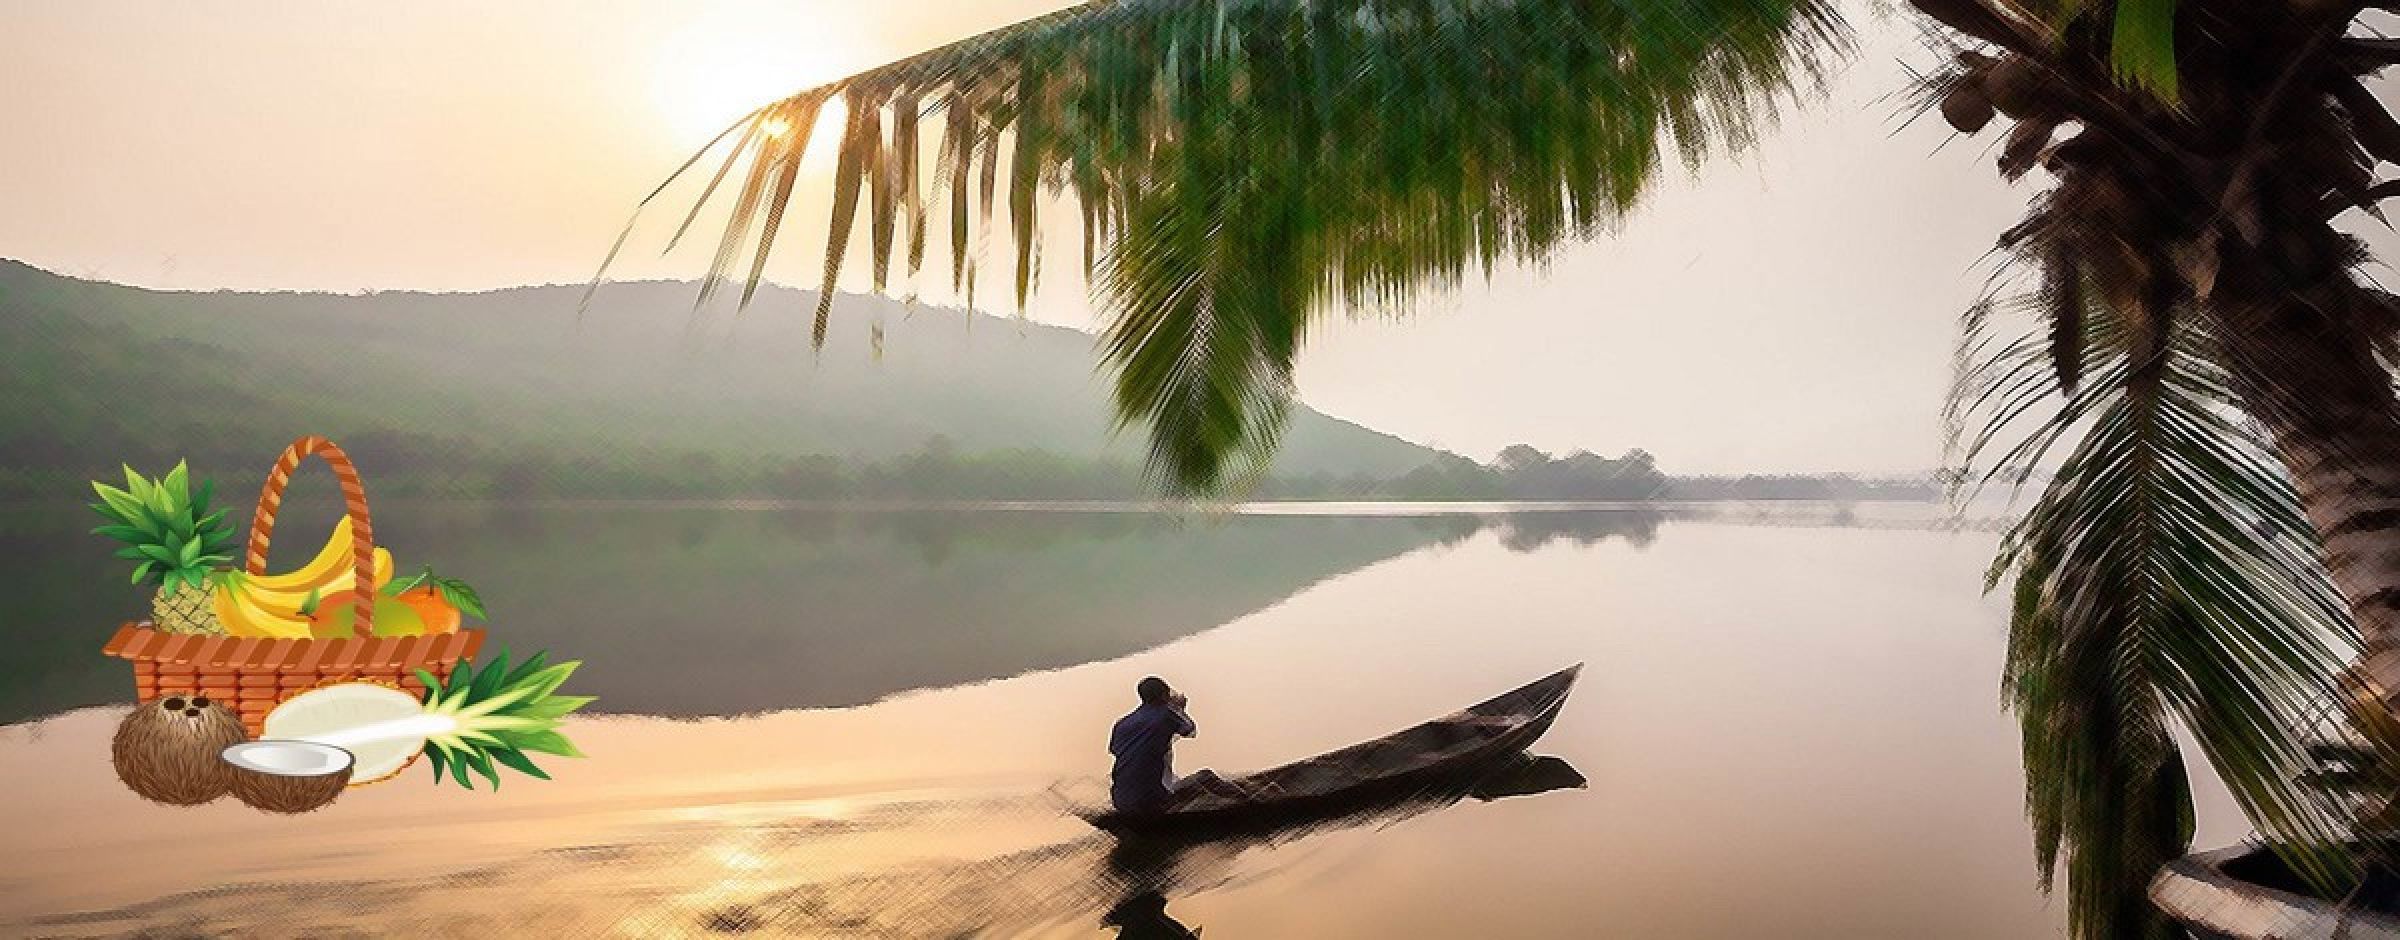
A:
(710, 73)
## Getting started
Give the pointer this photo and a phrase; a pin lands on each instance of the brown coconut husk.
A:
(169, 754)
(280, 794)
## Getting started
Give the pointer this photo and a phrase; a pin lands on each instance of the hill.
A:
(415, 382)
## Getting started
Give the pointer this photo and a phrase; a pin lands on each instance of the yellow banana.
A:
(290, 600)
(331, 560)
(243, 617)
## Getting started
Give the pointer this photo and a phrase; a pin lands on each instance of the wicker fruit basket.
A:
(254, 674)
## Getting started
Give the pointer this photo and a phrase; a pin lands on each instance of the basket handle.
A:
(354, 503)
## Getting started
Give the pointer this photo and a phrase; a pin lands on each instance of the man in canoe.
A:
(1143, 742)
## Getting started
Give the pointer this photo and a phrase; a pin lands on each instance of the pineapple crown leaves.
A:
(453, 591)
(168, 530)
(502, 714)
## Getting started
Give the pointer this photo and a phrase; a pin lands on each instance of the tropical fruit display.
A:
(286, 689)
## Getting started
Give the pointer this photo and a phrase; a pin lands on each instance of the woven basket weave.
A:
(254, 674)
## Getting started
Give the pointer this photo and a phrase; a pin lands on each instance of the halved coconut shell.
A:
(288, 776)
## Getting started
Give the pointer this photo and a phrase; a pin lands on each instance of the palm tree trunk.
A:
(2313, 378)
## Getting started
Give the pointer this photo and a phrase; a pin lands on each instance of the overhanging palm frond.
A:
(2165, 573)
(1242, 164)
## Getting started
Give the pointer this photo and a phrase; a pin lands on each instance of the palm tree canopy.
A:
(1242, 165)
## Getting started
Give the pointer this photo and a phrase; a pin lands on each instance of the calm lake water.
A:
(862, 724)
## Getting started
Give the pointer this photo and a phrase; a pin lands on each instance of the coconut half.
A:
(288, 776)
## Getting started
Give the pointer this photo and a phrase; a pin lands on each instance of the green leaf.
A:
(487, 679)
(462, 597)
(482, 762)
(461, 675)
(542, 683)
(526, 668)
(122, 505)
(142, 571)
(2142, 47)
(400, 586)
(177, 489)
(120, 532)
(552, 707)
(189, 555)
(435, 759)
(517, 761)
(547, 742)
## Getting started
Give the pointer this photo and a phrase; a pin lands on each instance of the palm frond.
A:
(2139, 34)
(1241, 165)
(2165, 574)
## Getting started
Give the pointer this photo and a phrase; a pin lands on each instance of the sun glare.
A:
(776, 127)
(713, 72)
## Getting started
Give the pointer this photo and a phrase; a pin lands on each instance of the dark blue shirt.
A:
(1143, 743)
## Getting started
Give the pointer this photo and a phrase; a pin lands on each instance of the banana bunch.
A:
(269, 605)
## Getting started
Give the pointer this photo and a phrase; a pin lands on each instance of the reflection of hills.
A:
(686, 610)
(1528, 531)
(775, 610)
(692, 609)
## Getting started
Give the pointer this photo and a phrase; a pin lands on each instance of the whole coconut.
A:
(166, 750)
(2020, 88)
(1966, 107)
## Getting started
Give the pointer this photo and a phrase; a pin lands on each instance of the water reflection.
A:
(1868, 653)
(1143, 873)
(1526, 532)
(1144, 917)
(688, 610)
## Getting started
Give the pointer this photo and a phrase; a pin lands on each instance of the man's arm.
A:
(1184, 725)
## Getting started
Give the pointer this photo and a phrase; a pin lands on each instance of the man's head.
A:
(1153, 691)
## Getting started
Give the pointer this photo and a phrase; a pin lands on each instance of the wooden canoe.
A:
(1432, 758)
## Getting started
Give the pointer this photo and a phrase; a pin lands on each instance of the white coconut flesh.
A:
(381, 726)
(288, 758)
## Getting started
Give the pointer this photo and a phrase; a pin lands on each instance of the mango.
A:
(392, 618)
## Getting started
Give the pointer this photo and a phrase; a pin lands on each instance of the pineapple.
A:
(177, 541)
(186, 608)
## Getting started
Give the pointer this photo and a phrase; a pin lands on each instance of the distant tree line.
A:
(412, 464)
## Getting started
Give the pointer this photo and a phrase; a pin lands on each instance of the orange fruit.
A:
(439, 615)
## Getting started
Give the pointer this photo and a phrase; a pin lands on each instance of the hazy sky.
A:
(1792, 310)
